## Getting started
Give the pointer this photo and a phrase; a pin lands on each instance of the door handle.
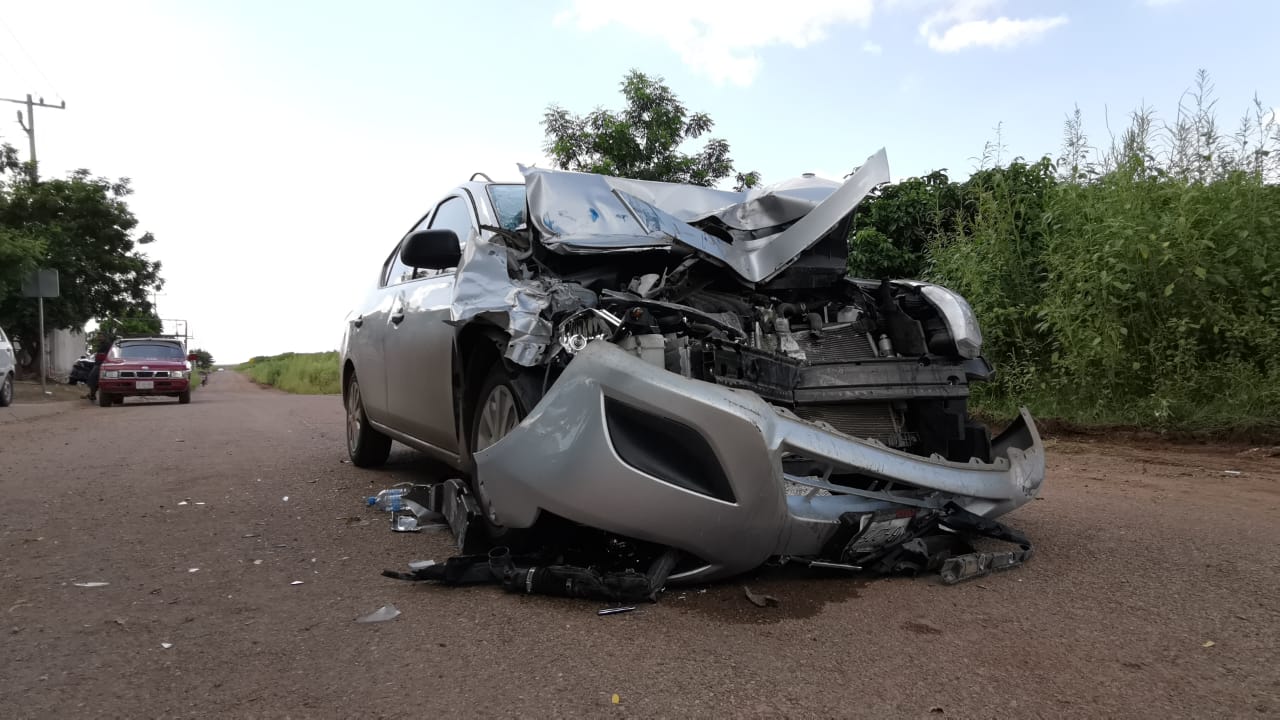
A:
(358, 321)
(397, 318)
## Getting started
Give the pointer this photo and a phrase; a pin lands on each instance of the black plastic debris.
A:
(760, 599)
(525, 574)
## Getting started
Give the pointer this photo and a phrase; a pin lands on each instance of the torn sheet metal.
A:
(581, 212)
(484, 285)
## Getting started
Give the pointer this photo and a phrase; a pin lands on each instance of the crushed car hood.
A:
(770, 226)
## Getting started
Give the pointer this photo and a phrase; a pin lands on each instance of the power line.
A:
(30, 58)
(17, 70)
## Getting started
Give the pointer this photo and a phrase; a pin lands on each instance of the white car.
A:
(8, 366)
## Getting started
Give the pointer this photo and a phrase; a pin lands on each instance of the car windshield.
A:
(150, 351)
(508, 200)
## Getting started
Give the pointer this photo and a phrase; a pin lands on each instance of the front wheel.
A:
(6, 390)
(105, 399)
(365, 446)
(184, 397)
(502, 403)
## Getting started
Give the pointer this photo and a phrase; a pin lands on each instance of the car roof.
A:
(175, 341)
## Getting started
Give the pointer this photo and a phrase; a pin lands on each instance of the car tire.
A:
(365, 446)
(117, 399)
(504, 400)
(184, 397)
(6, 390)
(105, 399)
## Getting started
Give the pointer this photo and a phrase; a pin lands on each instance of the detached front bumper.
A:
(630, 448)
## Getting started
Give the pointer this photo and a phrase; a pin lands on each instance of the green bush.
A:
(1138, 288)
(301, 373)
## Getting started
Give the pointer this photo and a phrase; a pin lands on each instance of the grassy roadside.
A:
(300, 373)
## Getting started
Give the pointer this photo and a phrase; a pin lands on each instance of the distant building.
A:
(62, 349)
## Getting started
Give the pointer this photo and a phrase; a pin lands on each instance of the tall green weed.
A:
(1136, 285)
(301, 373)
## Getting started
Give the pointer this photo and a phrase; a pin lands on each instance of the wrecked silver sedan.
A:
(686, 369)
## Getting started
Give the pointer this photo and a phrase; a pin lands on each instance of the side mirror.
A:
(432, 249)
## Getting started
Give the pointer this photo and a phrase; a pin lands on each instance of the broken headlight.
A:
(961, 322)
(584, 326)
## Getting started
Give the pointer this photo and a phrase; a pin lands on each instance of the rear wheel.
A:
(184, 397)
(503, 401)
(6, 390)
(366, 447)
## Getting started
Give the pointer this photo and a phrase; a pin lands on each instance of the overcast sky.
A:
(280, 149)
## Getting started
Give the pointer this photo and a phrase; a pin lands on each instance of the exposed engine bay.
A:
(869, 361)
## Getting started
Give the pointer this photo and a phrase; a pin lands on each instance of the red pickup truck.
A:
(145, 366)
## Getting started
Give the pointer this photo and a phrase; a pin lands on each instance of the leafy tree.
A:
(19, 250)
(745, 181)
(204, 360)
(82, 227)
(112, 328)
(642, 141)
(895, 227)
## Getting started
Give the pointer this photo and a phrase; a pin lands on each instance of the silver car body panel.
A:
(8, 362)
(416, 337)
(561, 460)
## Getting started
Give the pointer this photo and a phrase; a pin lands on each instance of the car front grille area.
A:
(144, 374)
(873, 420)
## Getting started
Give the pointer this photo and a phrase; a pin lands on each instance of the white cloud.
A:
(871, 48)
(719, 38)
(958, 25)
(998, 33)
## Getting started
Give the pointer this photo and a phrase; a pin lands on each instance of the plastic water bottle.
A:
(389, 500)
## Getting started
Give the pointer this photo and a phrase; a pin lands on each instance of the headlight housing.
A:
(179, 374)
(110, 374)
(961, 322)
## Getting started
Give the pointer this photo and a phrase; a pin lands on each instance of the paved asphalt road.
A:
(1146, 555)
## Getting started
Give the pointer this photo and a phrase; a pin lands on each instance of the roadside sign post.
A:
(40, 285)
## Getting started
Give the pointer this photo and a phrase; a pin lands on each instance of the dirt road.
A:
(200, 518)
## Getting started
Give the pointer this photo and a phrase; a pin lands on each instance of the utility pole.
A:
(30, 125)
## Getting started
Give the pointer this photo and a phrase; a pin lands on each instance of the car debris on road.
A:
(608, 569)
(382, 614)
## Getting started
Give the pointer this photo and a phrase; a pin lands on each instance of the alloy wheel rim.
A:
(353, 416)
(498, 417)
